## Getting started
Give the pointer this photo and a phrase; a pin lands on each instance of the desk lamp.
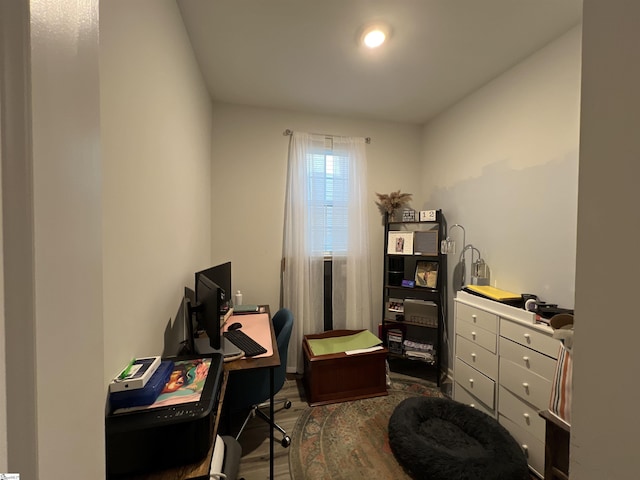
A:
(479, 268)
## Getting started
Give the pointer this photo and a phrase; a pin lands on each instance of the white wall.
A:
(604, 430)
(52, 240)
(146, 201)
(503, 162)
(248, 188)
(156, 139)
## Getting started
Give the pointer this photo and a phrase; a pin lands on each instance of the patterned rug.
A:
(349, 440)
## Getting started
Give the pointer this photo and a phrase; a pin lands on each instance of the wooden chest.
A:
(339, 377)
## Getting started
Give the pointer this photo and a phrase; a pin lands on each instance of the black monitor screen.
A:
(221, 276)
(188, 304)
(209, 304)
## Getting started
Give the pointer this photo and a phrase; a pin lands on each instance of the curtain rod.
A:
(290, 132)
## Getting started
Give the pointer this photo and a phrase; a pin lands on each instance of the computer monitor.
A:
(208, 308)
(221, 276)
(188, 304)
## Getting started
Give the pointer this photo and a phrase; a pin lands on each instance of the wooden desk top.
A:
(260, 362)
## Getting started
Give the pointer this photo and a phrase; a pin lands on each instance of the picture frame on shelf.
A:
(426, 274)
(426, 242)
(400, 243)
(408, 215)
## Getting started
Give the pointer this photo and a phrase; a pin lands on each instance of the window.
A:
(328, 192)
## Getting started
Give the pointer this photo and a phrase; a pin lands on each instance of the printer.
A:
(177, 429)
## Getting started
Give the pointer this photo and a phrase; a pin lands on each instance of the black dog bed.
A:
(441, 439)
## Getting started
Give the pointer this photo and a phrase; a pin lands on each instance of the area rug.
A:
(349, 440)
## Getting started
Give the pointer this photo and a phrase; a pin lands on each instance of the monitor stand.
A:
(228, 349)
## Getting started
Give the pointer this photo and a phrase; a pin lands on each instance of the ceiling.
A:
(303, 55)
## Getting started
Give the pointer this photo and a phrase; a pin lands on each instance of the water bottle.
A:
(238, 298)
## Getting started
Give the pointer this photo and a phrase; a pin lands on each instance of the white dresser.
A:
(503, 365)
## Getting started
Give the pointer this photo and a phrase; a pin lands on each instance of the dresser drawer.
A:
(475, 382)
(533, 448)
(477, 335)
(527, 358)
(529, 337)
(521, 413)
(460, 394)
(529, 386)
(477, 356)
(477, 317)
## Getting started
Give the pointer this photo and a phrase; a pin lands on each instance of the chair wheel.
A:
(287, 404)
(286, 441)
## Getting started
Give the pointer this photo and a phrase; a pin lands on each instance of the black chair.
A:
(250, 388)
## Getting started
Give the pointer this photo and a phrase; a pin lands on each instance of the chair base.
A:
(256, 411)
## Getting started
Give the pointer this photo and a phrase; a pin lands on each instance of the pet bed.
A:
(441, 439)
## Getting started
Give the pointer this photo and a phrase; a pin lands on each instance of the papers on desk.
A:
(363, 350)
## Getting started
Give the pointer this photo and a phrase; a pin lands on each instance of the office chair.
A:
(250, 388)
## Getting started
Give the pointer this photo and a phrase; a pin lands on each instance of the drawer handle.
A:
(527, 336)
(525, 449)
(471, 382)
(525, 385)
(526, 359)
(473, 355)
(473, 334)
(472, 405)
(474, 318)
(526, 417)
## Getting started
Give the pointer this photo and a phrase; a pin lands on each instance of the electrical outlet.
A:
(427, 215)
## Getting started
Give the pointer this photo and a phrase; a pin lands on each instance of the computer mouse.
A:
(235, 326)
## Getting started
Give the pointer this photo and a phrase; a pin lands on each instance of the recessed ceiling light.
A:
(374, 35)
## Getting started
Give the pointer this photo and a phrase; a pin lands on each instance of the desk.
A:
(265, 362)
(200, 470)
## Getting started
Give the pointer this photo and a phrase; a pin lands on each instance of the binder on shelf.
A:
(394, 341)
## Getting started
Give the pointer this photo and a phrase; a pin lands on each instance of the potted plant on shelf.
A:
(389, 204)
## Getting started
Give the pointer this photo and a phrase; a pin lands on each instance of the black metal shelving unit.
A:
(417, 311)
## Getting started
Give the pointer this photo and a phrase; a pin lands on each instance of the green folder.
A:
(356, 341)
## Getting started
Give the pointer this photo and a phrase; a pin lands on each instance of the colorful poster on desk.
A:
(185, 383)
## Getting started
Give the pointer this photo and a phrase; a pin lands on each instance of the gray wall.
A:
(503, 163)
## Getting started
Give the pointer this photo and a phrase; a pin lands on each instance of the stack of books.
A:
(394, 341)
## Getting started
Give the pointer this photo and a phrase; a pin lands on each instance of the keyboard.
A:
(244, 342)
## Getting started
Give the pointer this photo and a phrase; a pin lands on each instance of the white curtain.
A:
(308, 227)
